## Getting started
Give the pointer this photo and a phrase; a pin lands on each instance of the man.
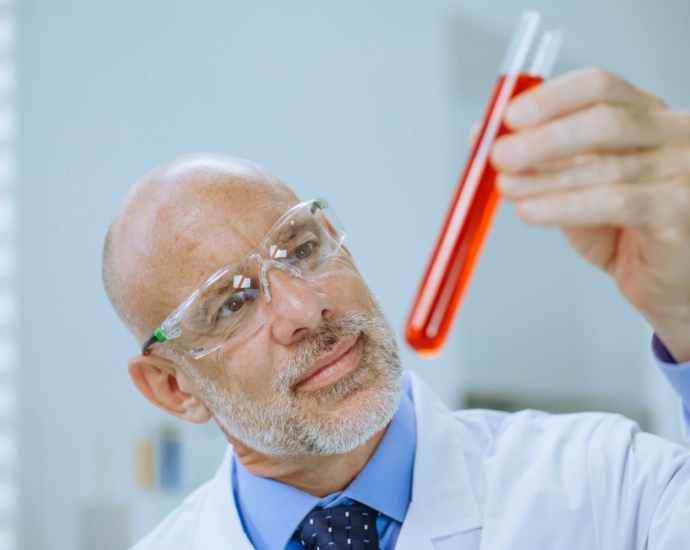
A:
(252, 312)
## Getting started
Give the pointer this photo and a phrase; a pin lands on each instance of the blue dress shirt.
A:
(678, 375)
(271, 511)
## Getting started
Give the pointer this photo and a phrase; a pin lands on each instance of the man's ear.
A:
(164, 384)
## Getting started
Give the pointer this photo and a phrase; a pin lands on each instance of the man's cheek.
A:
(252, 367)
(347, 287)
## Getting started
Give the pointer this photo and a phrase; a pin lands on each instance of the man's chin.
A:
(354, 419)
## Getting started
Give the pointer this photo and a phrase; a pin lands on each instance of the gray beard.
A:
(284, 425)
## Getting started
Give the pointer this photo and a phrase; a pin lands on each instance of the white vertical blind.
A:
(8, 442)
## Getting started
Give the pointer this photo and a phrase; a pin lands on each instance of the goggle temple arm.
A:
(157, 336)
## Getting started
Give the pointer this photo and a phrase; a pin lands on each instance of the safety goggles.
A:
(229, 304)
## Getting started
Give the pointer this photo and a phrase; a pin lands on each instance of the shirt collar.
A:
(271, 511)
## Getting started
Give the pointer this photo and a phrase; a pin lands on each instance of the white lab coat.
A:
(495, 481)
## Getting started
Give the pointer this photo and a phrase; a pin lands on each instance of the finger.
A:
(619, 204)
(585, 170)
(572, 91)
(601, 128)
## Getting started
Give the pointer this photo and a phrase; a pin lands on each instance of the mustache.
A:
(313, 346)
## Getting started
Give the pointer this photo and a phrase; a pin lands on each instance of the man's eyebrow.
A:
(293, 229)
(227, 285)
(225, 282)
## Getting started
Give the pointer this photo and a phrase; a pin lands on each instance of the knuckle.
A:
(640, 209)
(685, 158)
(546, 140)
(684, 123)
(599, 169)
(602, 81)
(615, 121)
(656, 101)
(630, 205)
(681, 197)
(633, 168)
(611, 168)
(617, 205)
(563, 179)
(672, 210)
(553, 139)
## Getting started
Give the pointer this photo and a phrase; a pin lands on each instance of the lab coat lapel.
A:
(443, 502)
(219, 526)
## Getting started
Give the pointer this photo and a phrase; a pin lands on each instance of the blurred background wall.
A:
(366, 103)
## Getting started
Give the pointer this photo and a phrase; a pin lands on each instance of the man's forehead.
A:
(224, 239)
(184, 222)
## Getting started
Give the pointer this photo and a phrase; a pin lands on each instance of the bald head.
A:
(178, 224)
(195, 215)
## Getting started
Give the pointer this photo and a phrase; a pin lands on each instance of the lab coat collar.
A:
(443, 502)
(219, 523)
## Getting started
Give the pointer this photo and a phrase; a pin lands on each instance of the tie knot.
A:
(339, 528)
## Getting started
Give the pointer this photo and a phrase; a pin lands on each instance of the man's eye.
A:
(303, 251)
(232, 305)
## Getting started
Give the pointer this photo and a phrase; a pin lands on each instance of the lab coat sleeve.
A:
(678, 375)
(640, 487)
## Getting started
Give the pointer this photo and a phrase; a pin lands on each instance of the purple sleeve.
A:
(678, 375)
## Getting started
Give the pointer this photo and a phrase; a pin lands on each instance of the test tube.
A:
(528, 60)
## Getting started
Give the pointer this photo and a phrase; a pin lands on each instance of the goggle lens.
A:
(230, 303)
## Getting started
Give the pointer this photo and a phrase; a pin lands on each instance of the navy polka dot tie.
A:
(339, 528)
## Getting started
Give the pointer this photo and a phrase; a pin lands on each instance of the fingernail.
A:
(522, 112)
(512, 183)
(508, 152)
(532, 209)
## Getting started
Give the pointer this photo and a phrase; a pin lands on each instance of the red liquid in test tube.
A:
(528, 61)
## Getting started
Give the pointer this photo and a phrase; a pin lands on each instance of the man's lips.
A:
(340, 360)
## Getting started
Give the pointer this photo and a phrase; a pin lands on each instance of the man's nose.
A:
(297, 307)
